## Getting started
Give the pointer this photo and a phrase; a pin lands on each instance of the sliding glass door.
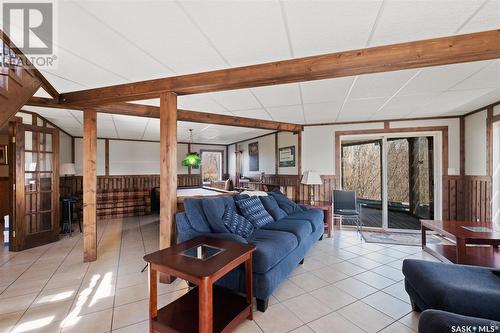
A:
(393, 178)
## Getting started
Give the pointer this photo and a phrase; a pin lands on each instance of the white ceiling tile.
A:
(488, 77)
(244, 32)
(254, 113)
(202, 103)
(326, 90)
(380, 84)
(235, 100)
(291, 113)
(406, 21)
(402, 105)
(322, 112)
(161, 29)
(441, 78)
(278, 95)
(360, 109)
(485, 19)
(329, 26)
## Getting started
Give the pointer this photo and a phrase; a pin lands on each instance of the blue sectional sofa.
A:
(281, 245)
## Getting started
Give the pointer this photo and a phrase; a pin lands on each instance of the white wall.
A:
(287, 139)
(475, 144)
(136, 157)
(64, 148)
(266, 156)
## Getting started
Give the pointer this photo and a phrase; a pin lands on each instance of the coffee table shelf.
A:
(229, 309)
(477, 256)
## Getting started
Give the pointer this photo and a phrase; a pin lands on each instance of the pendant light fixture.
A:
(192, 159)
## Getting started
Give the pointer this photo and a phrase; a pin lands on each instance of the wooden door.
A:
(36, 187)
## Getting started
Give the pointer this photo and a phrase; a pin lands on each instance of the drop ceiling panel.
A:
(322, 112)
(235, 100)
(278, 95)
(111, 50)
(380, 84)
(162, 30)
(326, 90)
(488, 77)
(200, 103)
(404, 105)
(244, 32)
(440, 78)
(291, 113)
(360, 109)
(329, 26)
(405, 21)
(485, 19)
(254, 113)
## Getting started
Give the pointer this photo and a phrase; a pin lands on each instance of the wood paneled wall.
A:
(467, 198)
(322, 192)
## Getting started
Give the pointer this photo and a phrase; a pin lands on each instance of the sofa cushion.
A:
(272, 207)
(300, 228)
(466, 290)
(253, 210)
(214, 209)
(315, 216)
(284, 203)
(272, 247)
(236, 223)
(194, 211)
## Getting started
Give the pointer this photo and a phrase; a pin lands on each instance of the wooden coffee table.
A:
(327, 213)
(460, 253)
(205, 308)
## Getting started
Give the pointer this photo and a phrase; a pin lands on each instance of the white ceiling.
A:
(110, 42)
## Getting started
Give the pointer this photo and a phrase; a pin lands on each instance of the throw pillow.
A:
(253, 210)
(286, 204)
(236, 223)
(272, 207)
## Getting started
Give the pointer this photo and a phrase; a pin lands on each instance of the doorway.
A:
(35, 178)
(393, 178)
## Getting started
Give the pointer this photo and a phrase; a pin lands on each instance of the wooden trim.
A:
(276, 154)
(462, 146)
(34, 114)
(189, 151)
(250, 139)
(72, 149)
(489, 141)
(424, 53)
(154, 141)
(387, 125)
(106, 157)
(168, 171)
(483, 108)
(89, 186)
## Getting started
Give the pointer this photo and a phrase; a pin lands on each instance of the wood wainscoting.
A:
(321, 192)
(467, 198)
(134, 191)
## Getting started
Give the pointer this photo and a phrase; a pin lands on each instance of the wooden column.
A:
(89, 185)
(168, 171)
(189, 151)
(276, 155)
(489, 141)
(106, 157)
(299, 162)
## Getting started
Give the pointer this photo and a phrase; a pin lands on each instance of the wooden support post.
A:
(89, 185)
(189, 151)
(299, 162)
(168, 171)
(276, 155)
(106, 157)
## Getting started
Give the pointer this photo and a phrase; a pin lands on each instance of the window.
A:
(211, 165)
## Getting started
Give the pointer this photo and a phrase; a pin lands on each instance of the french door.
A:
(36, 186)
(393, 178)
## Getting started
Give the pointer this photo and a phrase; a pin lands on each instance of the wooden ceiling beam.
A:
(149, 111)
(424, 53)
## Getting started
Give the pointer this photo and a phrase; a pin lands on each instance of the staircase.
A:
(18, 82)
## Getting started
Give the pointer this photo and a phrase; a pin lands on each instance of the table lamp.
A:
(311, 178)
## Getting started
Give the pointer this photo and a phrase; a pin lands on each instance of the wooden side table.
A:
(327, 213)
(202, 261)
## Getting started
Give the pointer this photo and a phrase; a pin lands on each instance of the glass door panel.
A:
(362, 173)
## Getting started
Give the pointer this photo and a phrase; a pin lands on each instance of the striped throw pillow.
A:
(236, 223)
(253, 210)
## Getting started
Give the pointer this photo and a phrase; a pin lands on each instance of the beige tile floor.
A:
(345, 285)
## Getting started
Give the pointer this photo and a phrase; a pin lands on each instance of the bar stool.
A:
(68, 203)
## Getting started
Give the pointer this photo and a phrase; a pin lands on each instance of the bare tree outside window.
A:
(211, 165)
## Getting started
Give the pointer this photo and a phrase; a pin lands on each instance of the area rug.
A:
(398, 238)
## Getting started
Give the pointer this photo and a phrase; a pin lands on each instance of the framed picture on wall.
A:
(253, 156)
(287, 157)
(3, 155)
